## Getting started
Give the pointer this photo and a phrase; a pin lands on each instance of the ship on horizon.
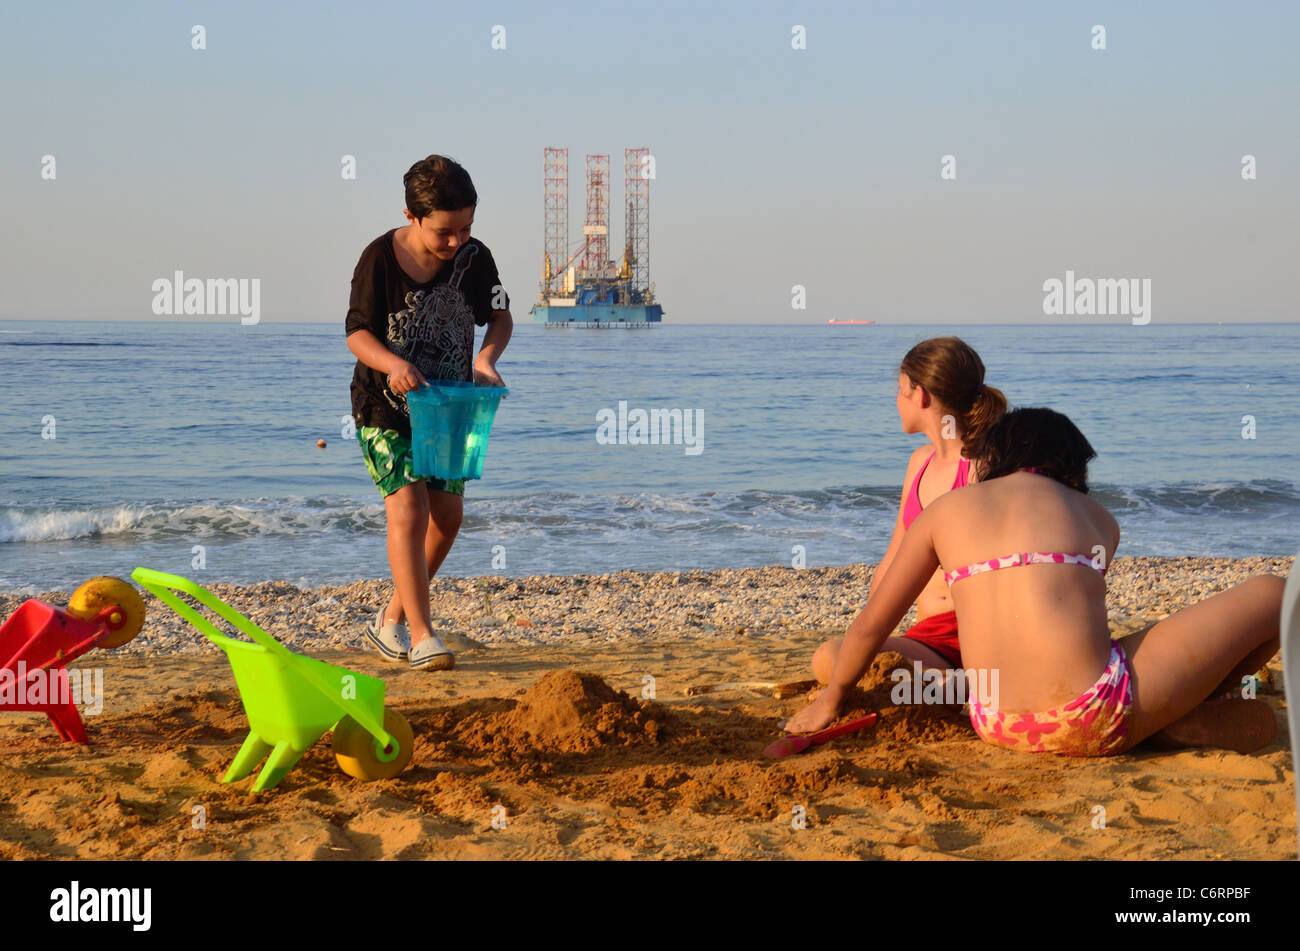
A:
(839, 322)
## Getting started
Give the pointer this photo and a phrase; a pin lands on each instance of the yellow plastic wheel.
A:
(99, 593)
(356, 750)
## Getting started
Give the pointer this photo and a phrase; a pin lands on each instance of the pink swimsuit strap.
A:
(912, 507)
(1021, 558)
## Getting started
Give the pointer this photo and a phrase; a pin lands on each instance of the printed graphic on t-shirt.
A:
(435, 330)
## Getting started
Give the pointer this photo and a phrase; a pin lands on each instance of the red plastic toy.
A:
(39, 641)
(797, 743)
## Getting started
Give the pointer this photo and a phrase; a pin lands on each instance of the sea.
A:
(191, 447)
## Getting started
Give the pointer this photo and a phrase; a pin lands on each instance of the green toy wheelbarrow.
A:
(291, 701)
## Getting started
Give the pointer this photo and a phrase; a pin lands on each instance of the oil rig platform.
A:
(585, 287)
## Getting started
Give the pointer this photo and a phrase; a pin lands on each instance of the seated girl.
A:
(941, 393)
(1025, 553)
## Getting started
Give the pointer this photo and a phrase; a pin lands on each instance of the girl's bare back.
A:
(1043, 627)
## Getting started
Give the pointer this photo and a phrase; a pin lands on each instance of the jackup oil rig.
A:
(584, 287)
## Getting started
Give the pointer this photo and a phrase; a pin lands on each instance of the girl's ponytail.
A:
(953, 373)
(987, 409)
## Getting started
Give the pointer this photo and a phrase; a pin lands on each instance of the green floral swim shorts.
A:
(390, 462)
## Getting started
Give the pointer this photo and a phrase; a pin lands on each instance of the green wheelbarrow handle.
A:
(161, 585)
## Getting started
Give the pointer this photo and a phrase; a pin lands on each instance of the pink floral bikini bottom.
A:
(1093, 724)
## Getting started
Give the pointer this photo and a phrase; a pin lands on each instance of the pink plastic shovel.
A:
(795, 743)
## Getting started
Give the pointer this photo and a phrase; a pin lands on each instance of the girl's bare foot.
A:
(816, 715)
(1242, 726)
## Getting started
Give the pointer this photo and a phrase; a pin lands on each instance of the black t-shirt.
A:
(430, 325)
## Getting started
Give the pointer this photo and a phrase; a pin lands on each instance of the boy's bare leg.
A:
(408, 513)
(446, 511)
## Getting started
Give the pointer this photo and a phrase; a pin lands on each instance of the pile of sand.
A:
(571, 712)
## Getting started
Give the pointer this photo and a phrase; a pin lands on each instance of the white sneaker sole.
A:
(436, 662)
(442, 660)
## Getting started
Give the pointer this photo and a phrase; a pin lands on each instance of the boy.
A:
(417, 293)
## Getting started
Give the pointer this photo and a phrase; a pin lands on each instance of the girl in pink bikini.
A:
(1026, 551)
(941, 393)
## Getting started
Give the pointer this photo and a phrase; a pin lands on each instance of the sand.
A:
(590, 747)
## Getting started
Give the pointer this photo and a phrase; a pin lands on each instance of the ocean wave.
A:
(843, 511)
(131, 521)
(1223, 498)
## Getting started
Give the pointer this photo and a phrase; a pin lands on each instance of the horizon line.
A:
(1105, 321)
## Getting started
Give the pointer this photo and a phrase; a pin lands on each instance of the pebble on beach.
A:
(640, 606)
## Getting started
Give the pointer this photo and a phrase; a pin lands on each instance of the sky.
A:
(775, 167)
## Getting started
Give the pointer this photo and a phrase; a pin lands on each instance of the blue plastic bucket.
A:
(450, 423)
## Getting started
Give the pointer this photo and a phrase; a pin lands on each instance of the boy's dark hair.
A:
(438, 183)
(1035, 438)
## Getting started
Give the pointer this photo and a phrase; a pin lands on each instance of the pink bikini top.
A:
(912, 507)
(1022, 558)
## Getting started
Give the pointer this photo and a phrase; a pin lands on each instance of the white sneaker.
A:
(391, 640)
(432, 654)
